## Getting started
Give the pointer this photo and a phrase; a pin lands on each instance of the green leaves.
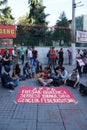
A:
(5, 14)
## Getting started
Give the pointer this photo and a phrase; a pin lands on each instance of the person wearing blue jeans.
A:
(6, 80)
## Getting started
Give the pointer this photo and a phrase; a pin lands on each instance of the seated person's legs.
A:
(41, 80)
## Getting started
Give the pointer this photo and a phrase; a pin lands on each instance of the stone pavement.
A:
(25, 116)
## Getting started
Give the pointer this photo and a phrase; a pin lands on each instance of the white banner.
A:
(81, 37)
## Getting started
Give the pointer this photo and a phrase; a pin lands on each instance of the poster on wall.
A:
(7, 31)
(6, 42)
(81, 37)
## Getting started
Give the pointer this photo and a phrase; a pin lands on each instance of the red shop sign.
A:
(7, 31)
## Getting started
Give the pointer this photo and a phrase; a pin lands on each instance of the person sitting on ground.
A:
(18, 69)
(49, 68)
(56, 68)
(44, 77)
(83, 88)
(18, 72)
(60, 77)
(7, 80)
(73, 79)
(38, 67)
(15, 78)
(27, 70)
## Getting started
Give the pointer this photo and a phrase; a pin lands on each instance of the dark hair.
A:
(7, 69)
(75, 70)
(27, 63)
(62, 68)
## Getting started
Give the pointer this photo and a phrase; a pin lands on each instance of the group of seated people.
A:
(45, 77)
(56, 77)
(59, 76)
(10, 81)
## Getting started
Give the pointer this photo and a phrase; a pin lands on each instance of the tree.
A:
(37, 18)
(24, 20)
(62, 31)
(79, 23)
(32, 28)
(5, 14)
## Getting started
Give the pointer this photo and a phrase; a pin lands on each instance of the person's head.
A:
(62, 69)
(74, 72)
(49, 66)
(32, 47)
(78, 50)
(61, 49)
(86, 55)
(7, 69)
(52, 47)
(14, 73)
(27, 64)
(21, 47)
(39, 63)
(17, 65)
(15, 47)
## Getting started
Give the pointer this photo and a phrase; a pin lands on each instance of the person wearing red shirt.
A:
(52, 56)
(44, 77)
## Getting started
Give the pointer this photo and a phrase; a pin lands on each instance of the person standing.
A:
(6, 58)
(57, 56)
(61, 57)
(52, 56)
(34, 56)
(69, 57)
(15, 56)
(30, 56)
(22, 52)
(0, 63)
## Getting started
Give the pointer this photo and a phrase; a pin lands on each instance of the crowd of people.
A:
(16, 67)
(54, 73)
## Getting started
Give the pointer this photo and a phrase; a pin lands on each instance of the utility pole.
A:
(73, 32)
(73, 21)
(73, 38)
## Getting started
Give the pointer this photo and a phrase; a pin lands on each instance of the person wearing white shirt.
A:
(73, 79)
(30, 56)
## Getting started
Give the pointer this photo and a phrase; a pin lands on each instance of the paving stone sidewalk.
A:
(25, 116)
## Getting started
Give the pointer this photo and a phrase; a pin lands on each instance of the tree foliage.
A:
(5, 13)
(36, 32)
(62, 31)
(24, 20)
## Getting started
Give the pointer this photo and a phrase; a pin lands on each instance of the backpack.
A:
(83, 89)
(48, 54)
(57, 81)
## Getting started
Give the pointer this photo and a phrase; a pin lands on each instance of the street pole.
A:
(73, 33)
